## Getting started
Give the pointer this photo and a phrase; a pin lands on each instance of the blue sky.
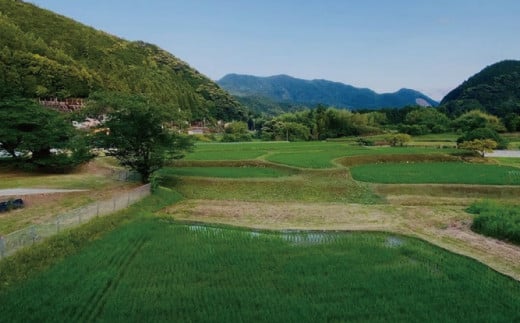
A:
(430, 46)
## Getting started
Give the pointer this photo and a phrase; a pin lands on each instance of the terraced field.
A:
(159, 270)
(180, 263)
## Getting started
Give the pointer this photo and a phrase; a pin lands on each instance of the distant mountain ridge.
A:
(287, 89)
(495, 89)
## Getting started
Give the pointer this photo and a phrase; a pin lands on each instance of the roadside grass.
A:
(44, 207)
(226, 172)
(498, 220)
(158, 270)
(436, 172)
(94, 178)
(84, 178)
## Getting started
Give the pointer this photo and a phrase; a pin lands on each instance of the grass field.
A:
(328, 186)
(156, 270)
(443, 172)
(226, 172)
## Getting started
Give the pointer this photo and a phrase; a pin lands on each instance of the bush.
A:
(414, 130)
(484, 133)
(364, 142)
(498, 220)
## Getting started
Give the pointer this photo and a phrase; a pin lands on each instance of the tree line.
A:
(323, 123)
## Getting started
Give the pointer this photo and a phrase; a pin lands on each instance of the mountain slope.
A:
(45, 55)
(495, 89)
(283, 88)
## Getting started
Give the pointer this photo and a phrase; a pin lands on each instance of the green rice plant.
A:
(496, 219)
(436, 172)
(157, 270)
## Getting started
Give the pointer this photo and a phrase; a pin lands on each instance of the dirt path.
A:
(444, 225)
(32, 191)
(504, 153)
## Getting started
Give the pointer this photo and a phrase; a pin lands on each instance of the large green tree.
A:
(140, 133)
(40, 136)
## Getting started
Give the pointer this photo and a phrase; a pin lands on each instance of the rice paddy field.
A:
(285, 232)
(158, 270)
(437, 172)
(314, 155)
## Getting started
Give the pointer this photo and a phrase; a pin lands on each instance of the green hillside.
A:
(45, 55)
(495, 89)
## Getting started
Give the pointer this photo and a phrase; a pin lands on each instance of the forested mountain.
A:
(45, 55)
(287, 89)
(495, 89)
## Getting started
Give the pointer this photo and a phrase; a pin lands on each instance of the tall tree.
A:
(141, 135)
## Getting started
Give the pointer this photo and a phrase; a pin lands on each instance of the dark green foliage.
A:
(498, 220)
(494, 90)
(475, 119)
(293, 91)
(364, 142)
(139, 134)
(484, 133)
(266, 106)
(236, 131)
(52, 56)
(321, 123)
(155, 270)
(30, 133)
(424, 121)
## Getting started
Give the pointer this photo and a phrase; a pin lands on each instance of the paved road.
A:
(31, 191)
(504, 153)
